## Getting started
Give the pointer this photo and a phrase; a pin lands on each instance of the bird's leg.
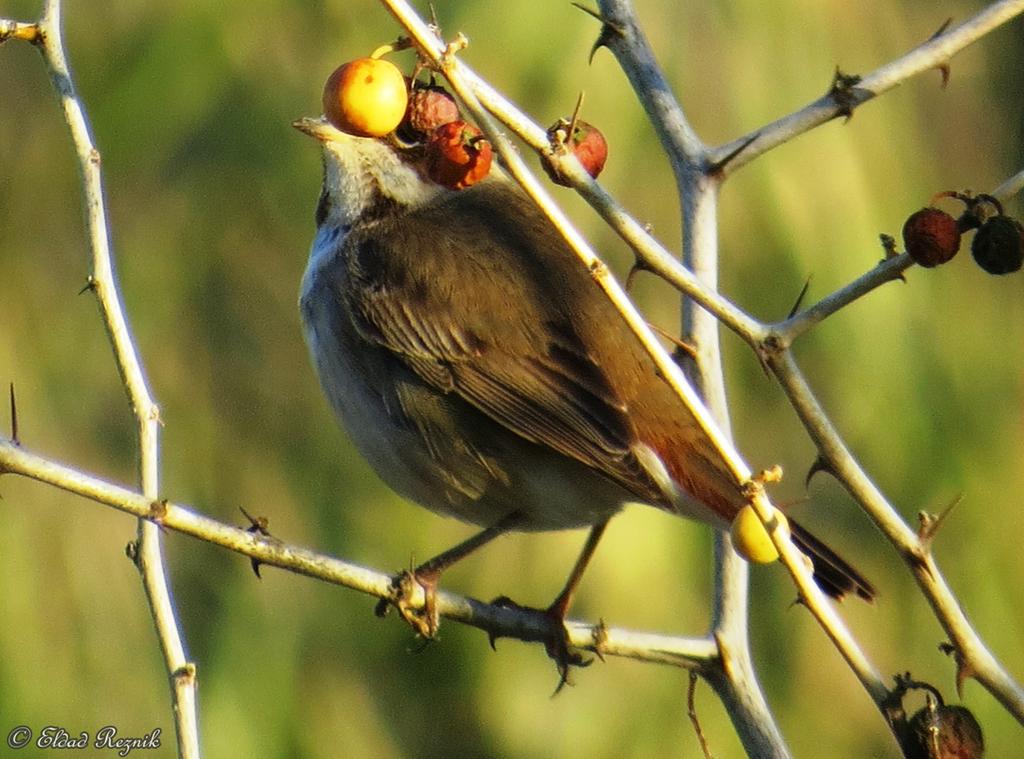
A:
(425, 620)
(559, 608)
(557, 645)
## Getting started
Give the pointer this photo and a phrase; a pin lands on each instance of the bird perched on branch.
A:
(484, 375)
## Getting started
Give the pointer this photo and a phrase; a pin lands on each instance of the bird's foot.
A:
(557, 643)
(423, 618)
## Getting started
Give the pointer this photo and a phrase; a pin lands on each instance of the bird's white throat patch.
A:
(358, 171)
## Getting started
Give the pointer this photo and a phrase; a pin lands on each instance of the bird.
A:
(483, 374)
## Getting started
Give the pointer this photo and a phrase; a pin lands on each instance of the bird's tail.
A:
(831, 572)
(707, 492)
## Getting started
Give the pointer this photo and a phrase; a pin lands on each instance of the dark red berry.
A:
(998, 245)
(430, 106)
(458, 155)
(588, 145)
(931, 237)
(945, 732)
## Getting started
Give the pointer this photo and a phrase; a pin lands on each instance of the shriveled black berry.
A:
(998, 246)
(945, 732)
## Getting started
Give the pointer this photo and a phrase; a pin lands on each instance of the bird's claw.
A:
(424, 619)
(557, 644)
(564, 656)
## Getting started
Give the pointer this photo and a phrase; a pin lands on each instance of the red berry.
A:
(588, 145)
(430, 106)
(931, 237)
(998, 246)
(458, 155)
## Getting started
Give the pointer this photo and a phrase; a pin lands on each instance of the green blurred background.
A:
(211, 196)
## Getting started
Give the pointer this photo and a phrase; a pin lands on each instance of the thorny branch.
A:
(497, 620)
(46, 35)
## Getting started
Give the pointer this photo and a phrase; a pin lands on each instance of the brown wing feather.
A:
(506, 343)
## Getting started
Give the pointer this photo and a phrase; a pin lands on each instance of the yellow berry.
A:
(366, 97)
(750, 538)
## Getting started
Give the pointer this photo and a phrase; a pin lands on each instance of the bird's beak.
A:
(320, 129)
(317, 128)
